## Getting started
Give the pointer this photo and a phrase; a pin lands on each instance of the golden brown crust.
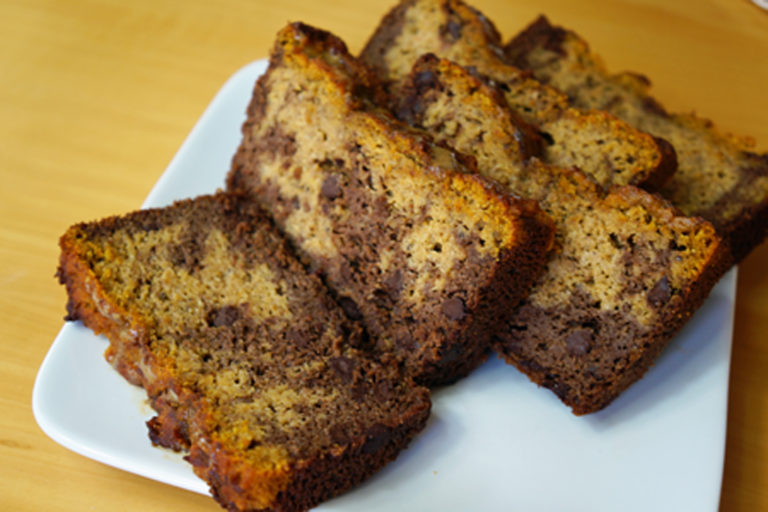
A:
(88, 303)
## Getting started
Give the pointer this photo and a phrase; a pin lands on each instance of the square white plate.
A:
(495, 442)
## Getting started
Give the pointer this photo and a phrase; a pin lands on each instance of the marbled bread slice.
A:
(720, 177)
(628, 269)
(251, 366)
(420, 249)
(601, 145)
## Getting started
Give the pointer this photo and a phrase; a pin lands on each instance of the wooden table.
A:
(96, 97)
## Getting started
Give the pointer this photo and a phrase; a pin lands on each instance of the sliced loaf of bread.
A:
(628, 269)
(720, 177)
(606, 148)
(423, 251)
(251, 366)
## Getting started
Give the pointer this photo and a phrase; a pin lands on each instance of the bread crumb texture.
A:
(252, 367)
(410, 239)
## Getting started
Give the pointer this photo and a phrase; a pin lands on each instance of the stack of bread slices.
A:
(391, 219)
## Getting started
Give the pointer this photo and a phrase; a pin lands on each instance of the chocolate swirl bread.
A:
(719, 176)
(606, 148)
(628, 269)
(251, 366)
(412, 242)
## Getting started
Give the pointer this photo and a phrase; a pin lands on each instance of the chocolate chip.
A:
(654, 107)
(188, 253)
(338, 433)
(404, 340)
(350, 308)
(223, 317)
(579, 342)
(347, 272)
(531, 365)
(425, 79)
(382, 299)
(376, 437)
(394, 283)
(297, 338)
(343, 366)
(660, 293)
(331, 188)
(453, 308)
(383, 391)
(452, 29)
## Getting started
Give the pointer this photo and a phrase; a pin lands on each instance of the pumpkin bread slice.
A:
(412, 242)
(720, 177)
(628, 269)
(601, 145)
(251, 366)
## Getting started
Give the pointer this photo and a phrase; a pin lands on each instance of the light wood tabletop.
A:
(97, 95)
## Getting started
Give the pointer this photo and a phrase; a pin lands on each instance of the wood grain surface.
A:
(97, 95)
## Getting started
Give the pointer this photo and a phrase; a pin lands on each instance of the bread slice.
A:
(609, 150)
(719, 176)
(251, 366)
(628, 269)
(421, 250)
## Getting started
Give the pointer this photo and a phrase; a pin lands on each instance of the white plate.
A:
(494, 441)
